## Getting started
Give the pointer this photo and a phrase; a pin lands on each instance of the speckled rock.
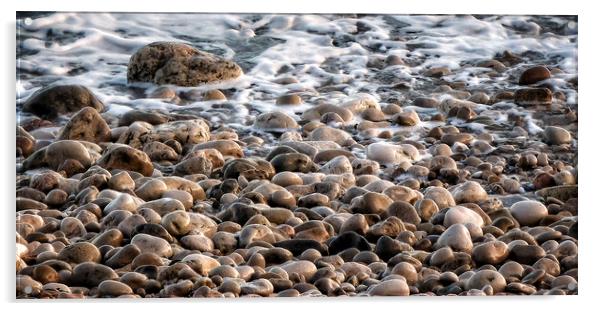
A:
(180, 64)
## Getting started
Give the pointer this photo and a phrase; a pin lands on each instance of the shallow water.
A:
(330, 55)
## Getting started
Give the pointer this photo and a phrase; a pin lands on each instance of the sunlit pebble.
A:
(27, 21)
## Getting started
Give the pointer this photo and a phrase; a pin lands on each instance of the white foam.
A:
(93, 49)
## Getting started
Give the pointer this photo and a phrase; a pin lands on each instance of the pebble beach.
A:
(259, 155)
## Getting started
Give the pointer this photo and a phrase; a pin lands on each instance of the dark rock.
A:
(52, 101)
(298, 246)
(348, 240)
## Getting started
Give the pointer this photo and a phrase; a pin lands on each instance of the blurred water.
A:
(328, 54)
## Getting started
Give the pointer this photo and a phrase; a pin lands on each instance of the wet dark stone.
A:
(298, 246)
(347, 240)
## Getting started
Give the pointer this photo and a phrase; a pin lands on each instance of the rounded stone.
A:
(275, 120)
(91, 274)
(393, 287)
(150, 244)
(528, 213)
(406, 118)
(225, 242)
(385, 153)
(534, 75)
(348, 240)
(52, 101)
(301, 267)
(158, 151)
(80, 252)
(371, 203)
(225, 147)
(285, 179)
(60, 151)
(289, 99)
(338, 165)
(555, 135)
(441, 196)
(425, 102)
(125, 157)
(197, 242)
(456, 237)
(407, 270)
(122, 181)
(462, 215)
(487, 278)
(293, 162)
(214, 95)
(526, 254)
(469, 192)
(404, 211)
(326, 133)
(123, 256)
(110, 288)
(492, 252)
(356, 223)
(261, 287)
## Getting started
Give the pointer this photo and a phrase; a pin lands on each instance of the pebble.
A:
(289, 99)
(301, 267)
(469, 192)
(462, 215)
(556, 135)
(534, 75)
(456, 237)
(261, 287)
(110, 288)
(492, 252)
(484, 278)
(453, 138)
(409, 118)
(371, 203)
(404, 211)
(126, 158)
(533, 96)
(385, 153)
(214, 95)
(326, 133)
(51, 101)
(526, 254)
(406, 270)
(88, 125)
(440, 196)
(394, 287)
(91, 274)
(425, 102)
(148, 243)
(80, 252)
(528, 213)
(348, 240)
(275, 120)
